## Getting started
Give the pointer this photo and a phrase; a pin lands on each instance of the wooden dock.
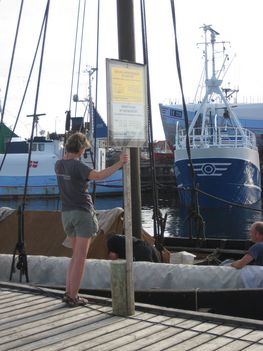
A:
(35, 319)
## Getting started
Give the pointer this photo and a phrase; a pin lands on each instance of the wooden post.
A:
(128, 237)
(126, 46)
(122, 283)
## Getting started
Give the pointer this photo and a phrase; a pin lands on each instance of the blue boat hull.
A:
(47, 186)
(220, 181)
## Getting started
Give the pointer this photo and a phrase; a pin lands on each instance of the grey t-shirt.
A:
(72, 178)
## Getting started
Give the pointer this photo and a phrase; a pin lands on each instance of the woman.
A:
(78, 215)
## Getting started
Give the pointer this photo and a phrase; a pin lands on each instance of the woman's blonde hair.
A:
(76, 142)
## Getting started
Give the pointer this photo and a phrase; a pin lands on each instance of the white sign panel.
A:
(127, 103)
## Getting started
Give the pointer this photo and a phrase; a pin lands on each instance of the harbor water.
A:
(232, 222)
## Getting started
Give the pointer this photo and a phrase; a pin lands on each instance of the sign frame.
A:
(126, 103)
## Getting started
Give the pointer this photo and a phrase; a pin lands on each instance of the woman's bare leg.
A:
(77, 264)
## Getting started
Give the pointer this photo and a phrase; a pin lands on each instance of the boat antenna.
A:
(194, 217)
(20, 247)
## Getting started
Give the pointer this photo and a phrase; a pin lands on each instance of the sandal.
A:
(65, 297)
(77, 301)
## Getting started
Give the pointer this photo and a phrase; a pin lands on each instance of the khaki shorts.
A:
(80, 223)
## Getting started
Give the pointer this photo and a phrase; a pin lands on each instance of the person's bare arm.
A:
(242, 262)
(107, 172)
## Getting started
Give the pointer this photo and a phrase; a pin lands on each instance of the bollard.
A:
(122, 296)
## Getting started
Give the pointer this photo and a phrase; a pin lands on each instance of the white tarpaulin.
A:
(52, 271)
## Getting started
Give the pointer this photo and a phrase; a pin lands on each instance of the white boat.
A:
(250, 116)
(42, 180)
(216, 157)
(48, 254)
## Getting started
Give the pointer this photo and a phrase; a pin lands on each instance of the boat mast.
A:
(90, 104)
(212, 85)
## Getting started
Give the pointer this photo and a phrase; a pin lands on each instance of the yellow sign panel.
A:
(127, 85)
(127, 107)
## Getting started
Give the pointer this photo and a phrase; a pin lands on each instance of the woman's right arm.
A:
(107, 172)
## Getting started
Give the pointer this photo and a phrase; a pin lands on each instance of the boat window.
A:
(41, 147)
(34, 147)
(176, 113)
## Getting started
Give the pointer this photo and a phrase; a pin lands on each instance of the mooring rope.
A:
(194, 215)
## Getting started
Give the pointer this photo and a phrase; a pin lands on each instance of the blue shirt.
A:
(256, 251)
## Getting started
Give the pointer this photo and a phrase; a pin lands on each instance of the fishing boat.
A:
(216, 157)
(42, 180)
(250, 116)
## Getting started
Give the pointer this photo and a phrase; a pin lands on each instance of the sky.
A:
(238, 22)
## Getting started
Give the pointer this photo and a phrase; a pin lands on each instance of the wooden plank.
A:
(43, 319)
(220, 329)
(207, 326)
(30, 321)
(59, 340)
(140, 339)
(107, 333)
(255, 335)
(28, 339)
(160, 342)
(20, 301)
(214, 344)
(73, 340)
(98, 333)
(6, 294)
(113, 337)
(253, 347)
(29, 311)
(189, 323)
(23, 308)
(110, 339)
(236, 345)
(193, 342)
(238, 332)
(174, 321)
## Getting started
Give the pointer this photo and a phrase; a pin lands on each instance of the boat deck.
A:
(35, 319)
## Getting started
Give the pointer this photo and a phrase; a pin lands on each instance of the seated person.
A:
(254, 255)
(142, 250)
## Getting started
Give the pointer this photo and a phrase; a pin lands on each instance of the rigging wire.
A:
(194, 217)
(35, 115)
(97, 55)
(12, 60)
(7, 86)
(25, 91)
(74, 58)
(22, 257)
(93, 109)
(68, 112)
(80, 52)
(90, 105)
(159, 220)
(96, 85)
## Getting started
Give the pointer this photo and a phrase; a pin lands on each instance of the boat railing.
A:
(216, 137)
